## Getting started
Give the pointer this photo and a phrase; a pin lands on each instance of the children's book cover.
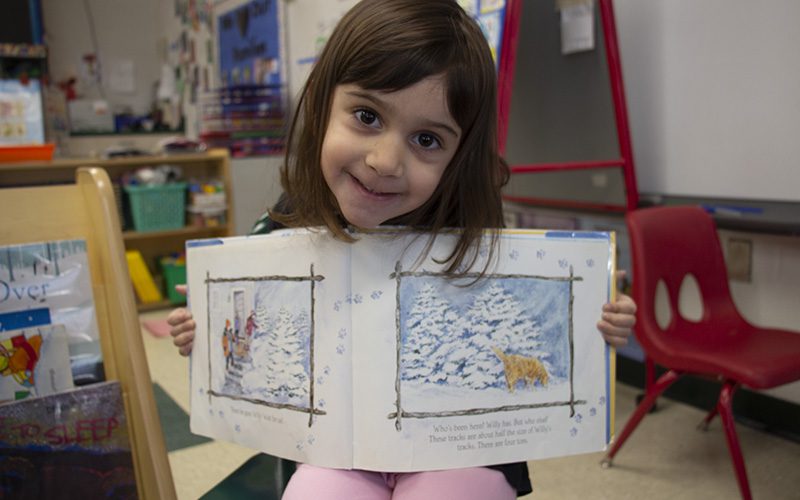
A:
(74, 444)
(50, 283)
(34, 362)
(367, 355)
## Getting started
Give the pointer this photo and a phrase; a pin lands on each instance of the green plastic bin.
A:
(174, 274)
(157, 208)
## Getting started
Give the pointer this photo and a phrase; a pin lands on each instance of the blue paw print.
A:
(221, 413)
(579, 418)
(342, 333)
(483, 252)
(326, 370)
(514, 255)
(320, 380)
(340, 349)
(563, 263)
(357, 299)
(540, 254)
(573, 432)
(299, 446)
(592, 412)
(376, 294)
(311, 439)
(321, 403)
(337, 305)
(349, 299)
(237, 428)
(590, 262)
(602, 400)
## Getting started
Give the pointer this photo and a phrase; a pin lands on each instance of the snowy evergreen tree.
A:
(494, 319)
(279, 357)
(263, 322)
(429, 324)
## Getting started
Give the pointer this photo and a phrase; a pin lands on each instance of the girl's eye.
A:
(367, 117)
(428, 141)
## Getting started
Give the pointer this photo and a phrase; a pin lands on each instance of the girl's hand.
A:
(618, 318)
(183, 326)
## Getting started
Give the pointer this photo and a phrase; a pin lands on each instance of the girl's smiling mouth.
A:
(364, 189)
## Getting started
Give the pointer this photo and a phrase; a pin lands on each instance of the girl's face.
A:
(385, 152)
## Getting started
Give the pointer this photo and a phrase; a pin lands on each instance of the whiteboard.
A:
(713, 92)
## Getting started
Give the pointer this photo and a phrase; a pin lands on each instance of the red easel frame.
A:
(508, 56)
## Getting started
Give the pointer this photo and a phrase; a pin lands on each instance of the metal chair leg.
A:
(653, 392)
(703, 426)
(725, 408)
(649, 381)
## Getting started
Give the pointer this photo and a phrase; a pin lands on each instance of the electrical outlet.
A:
(740, 259)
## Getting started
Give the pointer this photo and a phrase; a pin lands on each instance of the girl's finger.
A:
(619, 320)
(615, 336)
(186, 350)
(178, 316)
(181, 289)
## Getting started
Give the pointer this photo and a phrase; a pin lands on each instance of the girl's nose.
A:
(385, 156)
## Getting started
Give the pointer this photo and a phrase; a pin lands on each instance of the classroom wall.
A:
(124, 30)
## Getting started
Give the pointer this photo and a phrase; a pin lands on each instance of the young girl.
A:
(397, 125)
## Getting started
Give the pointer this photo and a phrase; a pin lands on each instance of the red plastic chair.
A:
(669, 243)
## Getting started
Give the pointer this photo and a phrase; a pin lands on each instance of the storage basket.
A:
(158, 208)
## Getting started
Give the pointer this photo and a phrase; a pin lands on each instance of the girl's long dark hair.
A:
(389, 45)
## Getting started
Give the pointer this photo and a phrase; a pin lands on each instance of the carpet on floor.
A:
(174, 422)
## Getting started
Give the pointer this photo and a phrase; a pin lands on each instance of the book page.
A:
(270, 367)
(509, 368)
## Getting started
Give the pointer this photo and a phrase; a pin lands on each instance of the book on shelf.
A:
(49, 283)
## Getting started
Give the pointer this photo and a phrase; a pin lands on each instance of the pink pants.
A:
(318, 483)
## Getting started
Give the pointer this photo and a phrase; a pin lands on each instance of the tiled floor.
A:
(666, 458)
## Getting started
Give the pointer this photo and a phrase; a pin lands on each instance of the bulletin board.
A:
(249, 44)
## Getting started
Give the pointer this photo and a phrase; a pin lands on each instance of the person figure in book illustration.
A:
(397, 124)
(249, 328)
(227, 343)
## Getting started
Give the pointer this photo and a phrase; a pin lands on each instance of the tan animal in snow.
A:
(517, 368)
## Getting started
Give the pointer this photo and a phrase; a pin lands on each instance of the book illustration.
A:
(34, 362)
(509, 338)
(75, 441)
(520, 368)
(261, 336)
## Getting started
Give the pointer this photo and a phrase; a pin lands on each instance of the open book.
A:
(367, 356)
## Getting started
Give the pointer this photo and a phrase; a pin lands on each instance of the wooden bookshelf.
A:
(214, 164)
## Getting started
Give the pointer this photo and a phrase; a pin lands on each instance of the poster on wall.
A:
(249, 44)
(21, 118)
